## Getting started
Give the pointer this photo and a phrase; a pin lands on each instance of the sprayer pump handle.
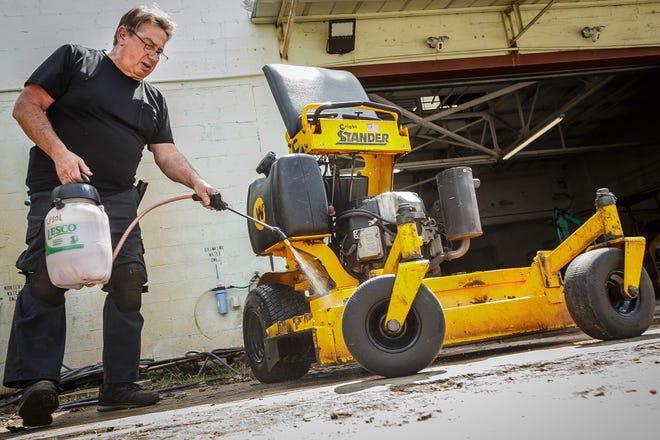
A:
(216, 201)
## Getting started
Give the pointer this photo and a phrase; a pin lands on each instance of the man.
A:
(92, 112)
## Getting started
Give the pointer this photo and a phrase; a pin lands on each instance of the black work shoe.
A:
(114, 396)
(38, 402)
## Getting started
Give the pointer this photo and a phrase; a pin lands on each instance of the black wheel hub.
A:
(388, 341)
(615, 291)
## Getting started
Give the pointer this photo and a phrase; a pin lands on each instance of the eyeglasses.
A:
(150, 48)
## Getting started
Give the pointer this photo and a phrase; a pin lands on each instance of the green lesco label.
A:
(62, 238)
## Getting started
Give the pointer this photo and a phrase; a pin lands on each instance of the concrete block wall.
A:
(224, 120)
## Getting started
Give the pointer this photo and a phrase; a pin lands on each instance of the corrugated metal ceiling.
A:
(268, 11)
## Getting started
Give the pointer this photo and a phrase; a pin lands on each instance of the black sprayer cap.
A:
(75, 190)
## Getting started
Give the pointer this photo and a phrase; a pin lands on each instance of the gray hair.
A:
(136, 17)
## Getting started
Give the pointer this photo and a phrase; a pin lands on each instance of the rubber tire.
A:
(264, 306)
(392, 356)
(594, 296)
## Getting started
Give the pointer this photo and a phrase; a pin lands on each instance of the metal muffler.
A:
(458, 207)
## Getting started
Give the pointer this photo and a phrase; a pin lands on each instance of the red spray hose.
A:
(216, 203)
(137, 220)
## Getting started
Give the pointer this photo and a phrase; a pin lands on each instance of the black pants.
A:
(38, 331)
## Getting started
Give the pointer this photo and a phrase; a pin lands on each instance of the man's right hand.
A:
(70, 166)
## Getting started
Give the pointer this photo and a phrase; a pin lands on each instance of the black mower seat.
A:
(293, 87)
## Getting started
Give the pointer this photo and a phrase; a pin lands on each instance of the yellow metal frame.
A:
(478, 305)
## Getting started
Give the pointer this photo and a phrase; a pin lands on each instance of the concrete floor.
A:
(553, 385)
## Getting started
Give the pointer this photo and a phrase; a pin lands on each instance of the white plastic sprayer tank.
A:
(78, 246)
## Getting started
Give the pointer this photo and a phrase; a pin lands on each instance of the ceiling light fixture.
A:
(533, 137)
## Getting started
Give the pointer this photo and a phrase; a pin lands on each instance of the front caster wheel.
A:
(392, 354)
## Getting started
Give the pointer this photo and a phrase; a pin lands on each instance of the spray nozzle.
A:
(216, 201)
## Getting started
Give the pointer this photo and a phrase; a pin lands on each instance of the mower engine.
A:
(365, 231)
(295, 197)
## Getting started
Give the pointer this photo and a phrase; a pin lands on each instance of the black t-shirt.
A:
(102, 115)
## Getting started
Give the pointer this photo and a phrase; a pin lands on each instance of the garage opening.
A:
(589, 129)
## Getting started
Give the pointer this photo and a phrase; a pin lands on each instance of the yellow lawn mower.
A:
(363, 279)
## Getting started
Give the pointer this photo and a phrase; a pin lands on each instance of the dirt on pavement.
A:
(401, 403)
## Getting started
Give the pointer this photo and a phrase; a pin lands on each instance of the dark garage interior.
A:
(596, 128)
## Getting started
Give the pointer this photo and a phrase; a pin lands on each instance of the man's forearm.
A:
(37, 127)
(177, 168)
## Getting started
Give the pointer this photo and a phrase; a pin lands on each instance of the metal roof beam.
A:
(514, 40)
(485, 98)
(467, 143)
(284, 33)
